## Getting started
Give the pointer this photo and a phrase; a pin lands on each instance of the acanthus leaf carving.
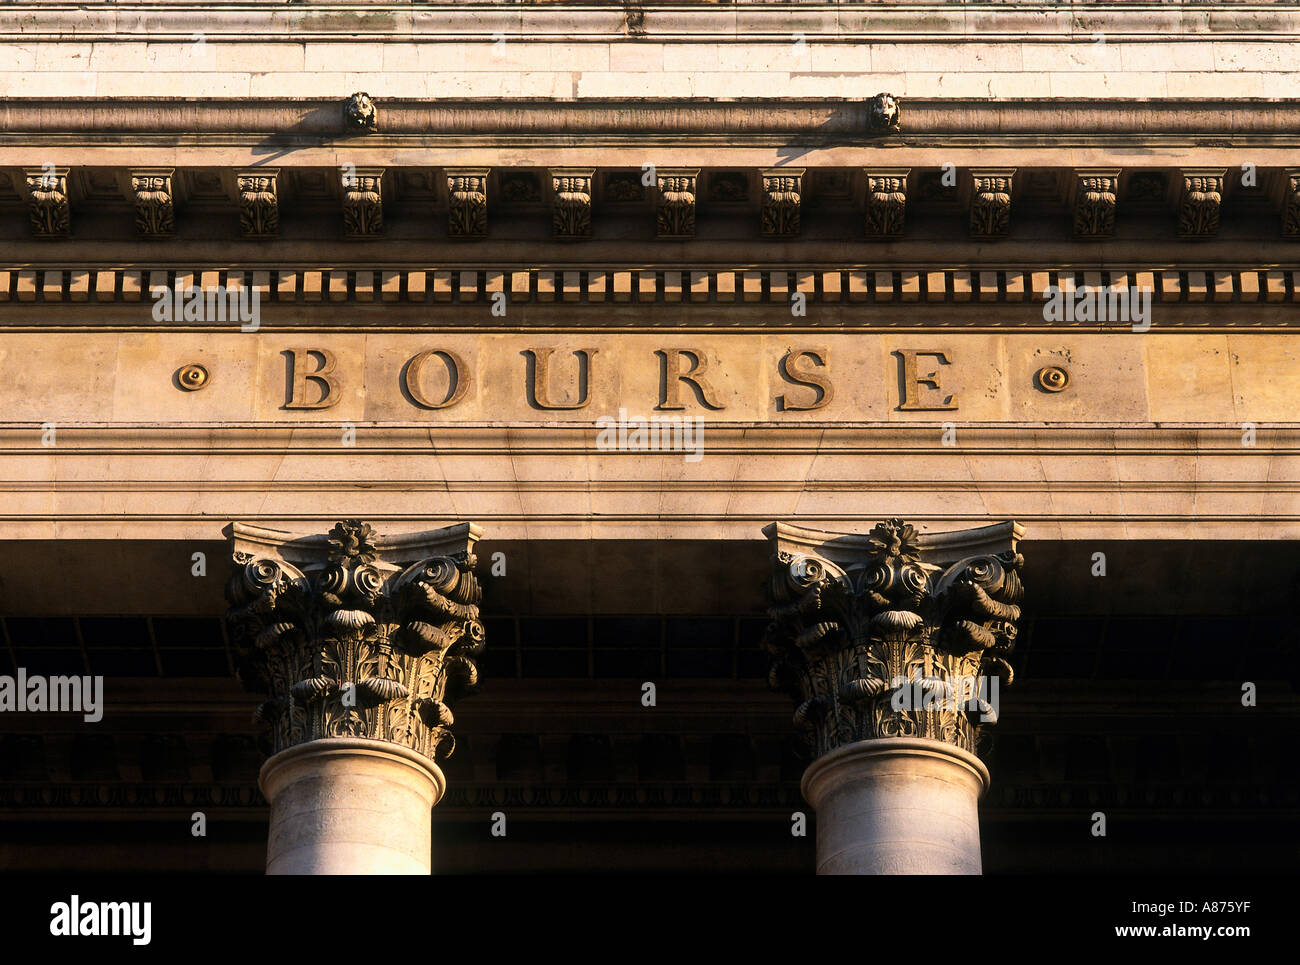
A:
(1095, 203)
(155, 205)
(782, 201)
(890, 645)
(363, 202)
(355, 646)
(467, 202)
(1200, 204)
(259, 202)
(1291, 203)
(886, 204)
(571, 202)
(48, 207)
(990, 204)
(676, 205)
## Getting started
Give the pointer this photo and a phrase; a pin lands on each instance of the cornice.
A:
(445, 20)
(157, 120)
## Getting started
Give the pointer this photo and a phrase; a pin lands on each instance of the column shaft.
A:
(350, 806)
(897, 806)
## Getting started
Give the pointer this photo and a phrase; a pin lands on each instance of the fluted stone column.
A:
(360, 644)
(893, 646)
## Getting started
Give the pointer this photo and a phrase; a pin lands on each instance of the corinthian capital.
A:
(893, 634)
(353, 635)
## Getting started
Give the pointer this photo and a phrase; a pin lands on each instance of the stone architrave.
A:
(360, 645)
(894, 646)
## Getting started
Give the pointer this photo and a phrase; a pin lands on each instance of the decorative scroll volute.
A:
(354, 646)
(889, 644)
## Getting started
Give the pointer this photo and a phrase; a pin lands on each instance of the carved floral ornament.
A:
(571, 202)
(467, 202)
(350, 645)
(1200, 203)
(49, 211)
(155, 205)
(890, 645)
(259, 203)
(886, 203)
(1092, 196)
(1095, 202)
(1291, 204)
(782, 201)
(990, 204)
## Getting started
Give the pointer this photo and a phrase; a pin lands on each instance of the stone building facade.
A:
(821, 437)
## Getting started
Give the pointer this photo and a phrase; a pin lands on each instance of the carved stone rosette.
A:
(782, 195)
(676, 206)
(571, 202)
(259, 202)
(886, 202)
(363, 202)
(1202, 198)
(345, 642)
(155, 206)
(1291, 203)
(1095, 193)
(467, 202)
(990, 203)
(861, 627)
(47, 194)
